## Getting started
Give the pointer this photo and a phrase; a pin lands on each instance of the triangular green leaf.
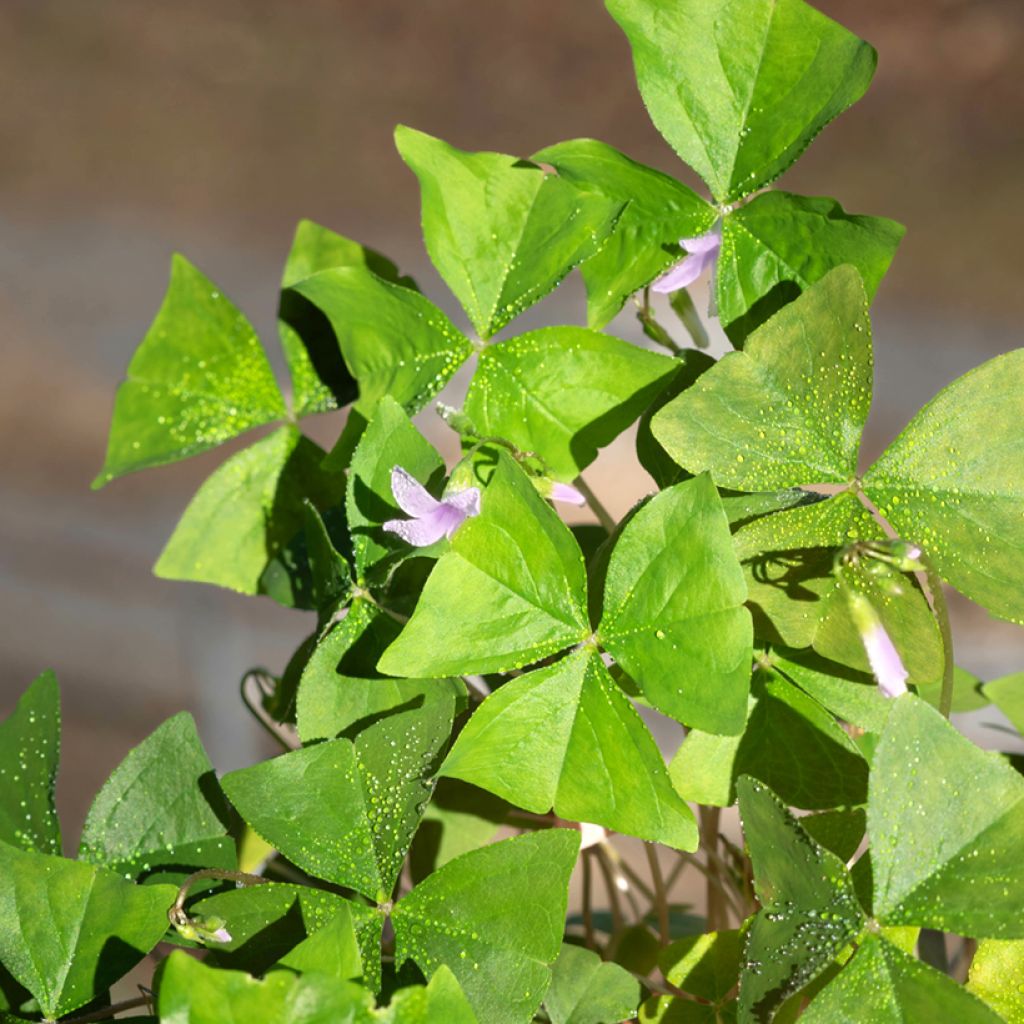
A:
(500, 231)
(780, 241)
(997, 977)
(395, 341)
(661, 211)
(673, 613)
(567, 737)
(389, 440)
(740, 92)
(69, 930)
(495, 918)
(198, 378)
(946, 822)
(238, 530)
(789, 408)
(442, 1000)
(511, 591)
(192, 993)
(809, 909)
(953, 481)
(586, 990)
(705, 965)
(884, 985)
(320, 379)
(329, 570)
(790, 743)
(160, 816)
(563, 392)
(29, 758)
(1007, 693)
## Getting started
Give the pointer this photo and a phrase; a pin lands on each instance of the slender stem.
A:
(613, 893)
(619, 873)
(644, 889)
(660, 893)
(714, 880)
(682, 304)
(107, 1013)
(588, 913)
(709, 818)
(652, 328)
(176, 914)
(941, 610)
(603, 515)
(258, 676)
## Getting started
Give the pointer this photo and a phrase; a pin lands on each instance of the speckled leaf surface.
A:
(346, 810)
(789, 742)
(192, 993)
(320, 380)
(953, 481)
(29, 758)
(586, 990)
(883, 984)
(563, 392)
(495, 918)
(567, 737)
(390, 440)
(69, 930)
(245, 516)
(809, 909)
(789, 408)
(997, 977)
(394, 341)
(739, 88)
(442, 1000)
(501, 232)
(780, 238)
(198, 378)
(660, 212)
(946, 822)
(672, 612)
(511, 590)
(161, 815)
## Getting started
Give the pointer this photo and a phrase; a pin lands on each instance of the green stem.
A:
(588, 913)
(682, 304)
(176, 913)
(613, 892)
(941, 610)
(660, 893)
(108, 1012)
(709, 818)
(603, 515)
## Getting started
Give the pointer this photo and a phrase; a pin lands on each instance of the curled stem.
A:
(941, 611)
(177, 915)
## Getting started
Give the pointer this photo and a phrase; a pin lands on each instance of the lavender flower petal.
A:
(221, 935)
(466, 501)
(566, 493)
(412, 497)
(424, 530)
(682, 275)
(885, 662)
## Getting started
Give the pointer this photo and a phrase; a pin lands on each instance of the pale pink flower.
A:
(567, 494)
(431, 519)
(701, 253)
(883, 657)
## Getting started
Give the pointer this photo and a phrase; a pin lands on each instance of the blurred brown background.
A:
(130, 129)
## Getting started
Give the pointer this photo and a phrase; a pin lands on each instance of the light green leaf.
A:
(790, 743)
(809, 909)
(968, 692)
(780, 243)
(320, 379)
(645, 241)
(511, 591)
(585, 990)
(500, 231)
(567, 737)
(495, 918)
(676, 1010)
(739, 88)
(390, 440)
(244, 517)
(198, 378)
(789, 408)
(953, 481)
(706, 965)
(673, 613)
(192, 993)
(395, 341)
(29, 758)
(946, 822)
(442, 1001)
(997, 977)
(1007, 693)
(69, 930)
(883, 984)
(346, 810)
(563, 392)
(161, 815)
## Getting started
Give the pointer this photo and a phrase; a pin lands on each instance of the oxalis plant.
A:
(460, 730)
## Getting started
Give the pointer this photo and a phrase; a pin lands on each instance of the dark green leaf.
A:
(198, 378)
(500, 231)
(706, 965)
(672, 608)
(29, 757)
(661, 211)
(567, 737)
(563, 392)
(739, 93)
(495, 918)
(161, 815)
(330, 573)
